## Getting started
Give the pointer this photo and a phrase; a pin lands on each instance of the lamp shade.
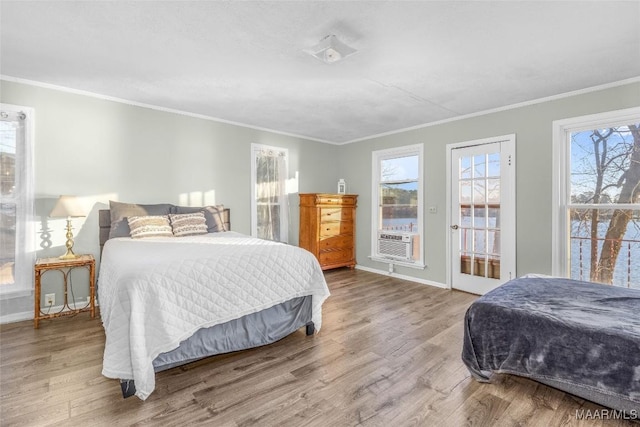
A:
(67, 206)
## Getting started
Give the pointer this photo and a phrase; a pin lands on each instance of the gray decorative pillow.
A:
(149, 226)
(212, 215)
(121, 211)
(190, 224)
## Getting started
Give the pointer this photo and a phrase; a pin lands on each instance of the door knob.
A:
(454, 227)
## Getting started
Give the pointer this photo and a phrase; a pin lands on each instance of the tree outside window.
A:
(604, 206)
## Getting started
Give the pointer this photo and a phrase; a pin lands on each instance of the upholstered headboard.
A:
(104, 220)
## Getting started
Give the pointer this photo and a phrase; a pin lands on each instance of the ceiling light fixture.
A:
(331, 50)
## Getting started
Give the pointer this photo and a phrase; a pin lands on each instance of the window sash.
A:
(379, 205)
(23, 200)
(563, 242)
(269, 201)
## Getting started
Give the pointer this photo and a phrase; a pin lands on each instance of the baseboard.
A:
(16, 317)
(27, 315)
(403, 277)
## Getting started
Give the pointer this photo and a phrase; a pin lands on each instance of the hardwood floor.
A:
(388, 355)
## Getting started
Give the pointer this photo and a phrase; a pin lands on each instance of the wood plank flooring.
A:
(388, 355)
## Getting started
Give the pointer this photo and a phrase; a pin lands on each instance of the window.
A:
(269, 219)
(16, 199)
(597, 186)
(397, 226)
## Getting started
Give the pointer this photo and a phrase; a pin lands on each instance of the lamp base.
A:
(68, 255)
(69, 244)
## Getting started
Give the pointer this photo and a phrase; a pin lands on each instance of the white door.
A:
(482, 221)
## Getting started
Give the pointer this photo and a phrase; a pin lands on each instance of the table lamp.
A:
(68, 206)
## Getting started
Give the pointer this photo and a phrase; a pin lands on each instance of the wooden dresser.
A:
(328, 228)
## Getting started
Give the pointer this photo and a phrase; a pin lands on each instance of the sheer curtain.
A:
(270, 200)
(16, 199)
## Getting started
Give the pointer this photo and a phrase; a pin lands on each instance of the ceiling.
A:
(418, 62)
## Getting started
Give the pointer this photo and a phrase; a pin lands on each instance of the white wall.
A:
(532, 126)
(101, 150)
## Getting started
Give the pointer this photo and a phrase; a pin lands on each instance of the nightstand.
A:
(65, 266)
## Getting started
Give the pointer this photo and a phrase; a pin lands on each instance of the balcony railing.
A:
(627, 269)
(407, 227)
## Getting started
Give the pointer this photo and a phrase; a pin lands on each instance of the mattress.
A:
(155, 293)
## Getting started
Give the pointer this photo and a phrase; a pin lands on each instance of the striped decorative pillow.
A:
(189, 224)
(149, 226)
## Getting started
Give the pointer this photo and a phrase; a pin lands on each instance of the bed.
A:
(579, 337)
(168, 301)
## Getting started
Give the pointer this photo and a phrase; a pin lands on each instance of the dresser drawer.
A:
(337, 228)
(335, 257)
(344, 241)
(336, 200)
(327, 227)
(336, 214)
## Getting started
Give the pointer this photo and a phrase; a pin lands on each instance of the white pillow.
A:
(190, 224)
(149, 226)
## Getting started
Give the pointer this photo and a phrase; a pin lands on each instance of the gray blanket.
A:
(581, 337)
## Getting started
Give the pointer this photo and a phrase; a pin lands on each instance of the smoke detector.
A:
(331, 50)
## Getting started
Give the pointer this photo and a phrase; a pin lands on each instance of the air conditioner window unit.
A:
(395, 245)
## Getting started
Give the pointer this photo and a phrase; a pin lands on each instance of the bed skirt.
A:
(253, 330)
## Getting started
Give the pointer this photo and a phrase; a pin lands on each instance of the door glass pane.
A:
(493, 191)
(493, 242)
(479, 218)
(493, 219)
(465, 263)
(494, 165)
(479, 221)
(480, 242)
(465, 217)
(479, 191)
(465, 192)
(480, 266)
(465, 168)
(479, 166)
(494, 267)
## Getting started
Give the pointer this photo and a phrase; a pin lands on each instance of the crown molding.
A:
(499, 109)
(308, 138)
(153, 107)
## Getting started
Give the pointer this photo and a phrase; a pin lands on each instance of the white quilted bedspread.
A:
(156, 292)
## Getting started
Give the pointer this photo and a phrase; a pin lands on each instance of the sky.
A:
(583, 167)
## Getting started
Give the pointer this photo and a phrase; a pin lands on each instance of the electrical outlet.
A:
(50, 300)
